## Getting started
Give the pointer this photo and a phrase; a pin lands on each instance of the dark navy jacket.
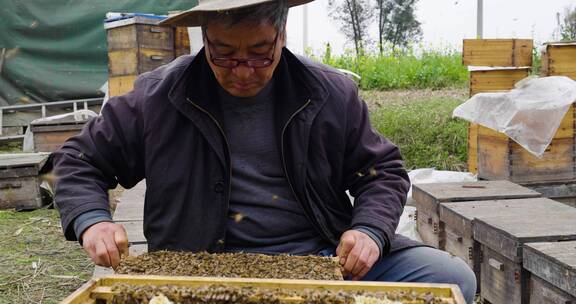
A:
(169, 131)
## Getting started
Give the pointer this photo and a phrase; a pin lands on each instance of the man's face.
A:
(254, 42)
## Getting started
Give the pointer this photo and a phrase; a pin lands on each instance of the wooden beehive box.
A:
(489, 80)
(49, 137)
(136, 45)
(563, 192)
(428, 198)
(552, 268)
(458, 220)
(558, 59)
(499, 157)
(512, 59)
(20, 181)
(99, 290)
(497, 52)
(503, 279)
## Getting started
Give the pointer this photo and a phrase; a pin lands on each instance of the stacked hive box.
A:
(20, 180)
(428, 198)
(559, 59)
(137, 45)
(493, 154)
(502, 237)
(510, 60)
(552, 268)
(458, 224)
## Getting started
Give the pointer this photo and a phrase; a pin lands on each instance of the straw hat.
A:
(192, 16)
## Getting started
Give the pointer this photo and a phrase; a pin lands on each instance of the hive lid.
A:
(18, 160)
(554, 262)
(506, 232)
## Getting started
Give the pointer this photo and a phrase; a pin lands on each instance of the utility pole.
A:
(304, 28)
(480, 19)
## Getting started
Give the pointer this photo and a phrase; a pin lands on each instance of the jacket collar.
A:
(295, 84)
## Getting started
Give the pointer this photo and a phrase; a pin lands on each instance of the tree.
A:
(397, 23)
(354, 17)
(568, 25)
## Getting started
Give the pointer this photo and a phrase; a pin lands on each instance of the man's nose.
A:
(242, 71)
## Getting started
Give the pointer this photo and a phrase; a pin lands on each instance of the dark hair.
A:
(275, 12)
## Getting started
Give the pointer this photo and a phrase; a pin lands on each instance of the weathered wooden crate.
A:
(20, 181)
(489, 81)
(563, 192)
(503, 279)
(99, 290)
(458, 224)
(552, 268)
(49, 137)
(497, 52)
(499, 157)
(135, 46)
(558, 59)
(428, 198)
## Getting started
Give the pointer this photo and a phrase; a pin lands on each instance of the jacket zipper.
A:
(229, 159)
(308, 216)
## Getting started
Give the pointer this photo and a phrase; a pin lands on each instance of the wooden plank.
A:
(471, 191)
(430, 229)
(497, 52)
(123, 62)
(507, 231)
(502, 281)
(122, 38)
(51, 141)
(554, 262)
(495, 80)
(120, 85)
(21, 193)
(16, 160)
(155, 37)
(150, 59)
(473, 148)
(542, 292)
(448, 291)
(181, 42)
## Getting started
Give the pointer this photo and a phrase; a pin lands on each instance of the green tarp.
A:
(56, 49)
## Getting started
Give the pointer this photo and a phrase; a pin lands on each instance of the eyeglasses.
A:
(231, 63)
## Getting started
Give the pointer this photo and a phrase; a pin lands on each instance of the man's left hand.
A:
(357, 252)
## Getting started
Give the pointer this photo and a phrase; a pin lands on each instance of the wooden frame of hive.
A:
(100, 289)
(139, 45)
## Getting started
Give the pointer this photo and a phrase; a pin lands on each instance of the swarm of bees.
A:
(234, 265)
(221, 294)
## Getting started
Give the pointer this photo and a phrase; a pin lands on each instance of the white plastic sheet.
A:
(430, 175)
(530, 114)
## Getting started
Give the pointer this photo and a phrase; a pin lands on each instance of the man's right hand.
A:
(105, 242)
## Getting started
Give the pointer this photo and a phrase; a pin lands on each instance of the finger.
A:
(361, 263)
(347, 242)
(89, 247)
(353, 256)
(113, 252)
(102, 258)
(371, 261)
(121, 240)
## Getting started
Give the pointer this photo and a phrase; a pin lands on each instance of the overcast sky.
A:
(444, 22)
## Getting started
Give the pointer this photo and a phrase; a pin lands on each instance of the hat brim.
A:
(192, 17)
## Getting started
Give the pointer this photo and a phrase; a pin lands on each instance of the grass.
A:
(36, 264)
(430, 69)
(421, 124)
